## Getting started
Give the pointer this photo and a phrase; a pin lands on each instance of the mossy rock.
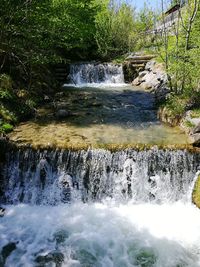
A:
(196, 192)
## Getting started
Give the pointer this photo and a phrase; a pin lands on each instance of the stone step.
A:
(138, 61)
(142, 57)
(138, 65)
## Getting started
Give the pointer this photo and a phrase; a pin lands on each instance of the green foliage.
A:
(6, 128)
(195, 113)
(12, 108)
(114, 29)
(189, 124)
(181, 53)
(176, 104)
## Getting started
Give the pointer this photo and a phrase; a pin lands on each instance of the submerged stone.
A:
(85, 258)
(61, 236)
(54, 256)
(6, 251)
(145, 258)
(62, 113)
(2, 211)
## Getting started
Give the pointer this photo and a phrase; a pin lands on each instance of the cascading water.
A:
(86, 74)
(48, 177)
(97, 208)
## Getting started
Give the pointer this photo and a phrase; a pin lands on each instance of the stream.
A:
(95, 207)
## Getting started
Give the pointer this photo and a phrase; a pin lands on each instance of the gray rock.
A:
(161, 93)
(142, 74)
(196, 129)
(55, 256)
(136, 82)
(62, 113)
(162, 77)
(59, 94)
(2, 212)
(195, 139)
(150, 65)
(6, 252)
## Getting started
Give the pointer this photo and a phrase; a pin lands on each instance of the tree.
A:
(114, 28)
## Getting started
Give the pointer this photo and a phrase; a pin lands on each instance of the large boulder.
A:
(153, 78)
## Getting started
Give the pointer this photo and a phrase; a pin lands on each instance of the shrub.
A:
(6, 127)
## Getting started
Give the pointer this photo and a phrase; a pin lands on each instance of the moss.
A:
(111, 147)
(196, 193)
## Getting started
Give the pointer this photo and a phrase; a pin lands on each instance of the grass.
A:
(195, 113)
(189, 124)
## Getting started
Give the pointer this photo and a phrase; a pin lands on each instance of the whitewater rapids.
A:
(106, 235)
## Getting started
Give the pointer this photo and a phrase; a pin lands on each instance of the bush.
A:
(6, 127)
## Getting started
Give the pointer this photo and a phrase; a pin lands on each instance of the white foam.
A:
(97, 85)
(106, 235)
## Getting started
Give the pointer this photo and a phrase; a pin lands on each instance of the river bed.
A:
(117, 115)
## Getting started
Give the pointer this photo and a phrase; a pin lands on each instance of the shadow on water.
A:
(96, 116)
(125, 107)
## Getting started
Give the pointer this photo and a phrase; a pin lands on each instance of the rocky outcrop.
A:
(134, 64)
(153, 78)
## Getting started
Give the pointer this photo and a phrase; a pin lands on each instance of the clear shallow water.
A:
(101, 115)
(106, 235)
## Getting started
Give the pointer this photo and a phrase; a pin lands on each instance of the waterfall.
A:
(98, 208)
(94, 73)
(53, 177)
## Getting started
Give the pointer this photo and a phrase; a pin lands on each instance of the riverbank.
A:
(174, 110)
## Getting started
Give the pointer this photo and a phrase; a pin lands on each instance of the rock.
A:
(195, 139)
(6, 251)
(54, 256)
(47, 99)
(62, 113)
(161, 93)
(136, 82)
(196, 129)
(150, 82)
(150, 65)
(59, 94)
(142, 74)
(162, 77)
(2, 211)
